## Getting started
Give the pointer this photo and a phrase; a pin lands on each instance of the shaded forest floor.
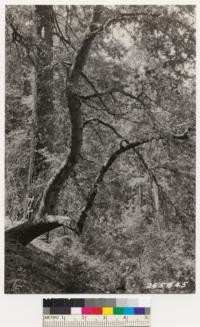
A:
(29, 270)
(67, 264)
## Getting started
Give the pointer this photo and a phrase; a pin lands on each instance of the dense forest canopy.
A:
(100, 142)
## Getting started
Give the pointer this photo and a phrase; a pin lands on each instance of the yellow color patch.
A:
(107, 311)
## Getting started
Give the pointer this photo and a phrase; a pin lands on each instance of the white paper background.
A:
(26, 310)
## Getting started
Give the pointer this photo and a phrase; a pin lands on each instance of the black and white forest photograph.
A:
(100, 111)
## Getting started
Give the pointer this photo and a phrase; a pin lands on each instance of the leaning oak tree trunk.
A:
(27, 231)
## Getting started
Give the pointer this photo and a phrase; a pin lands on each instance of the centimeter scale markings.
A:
(95, 321)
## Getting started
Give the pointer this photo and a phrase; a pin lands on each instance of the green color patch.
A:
(118, 311)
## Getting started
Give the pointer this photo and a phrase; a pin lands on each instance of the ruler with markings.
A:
(95, 321)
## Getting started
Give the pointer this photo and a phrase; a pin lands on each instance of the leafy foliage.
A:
(139, 80)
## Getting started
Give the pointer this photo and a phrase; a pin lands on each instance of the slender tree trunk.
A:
(44, 135)
(42, 118)
(138, 202)
(28, 198)
(155, 193)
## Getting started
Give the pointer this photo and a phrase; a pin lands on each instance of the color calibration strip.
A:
(96, 312)
(96, 306)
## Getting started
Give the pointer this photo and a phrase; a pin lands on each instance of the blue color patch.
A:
(129, 311)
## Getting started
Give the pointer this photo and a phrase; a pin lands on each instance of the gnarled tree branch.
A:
(93, 192)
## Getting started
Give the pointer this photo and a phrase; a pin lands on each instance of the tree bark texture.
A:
(50, 195)
(42, 115)
(28, 231)
(43, 124)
